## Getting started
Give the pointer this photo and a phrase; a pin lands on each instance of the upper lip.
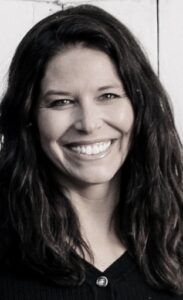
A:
(84, 142)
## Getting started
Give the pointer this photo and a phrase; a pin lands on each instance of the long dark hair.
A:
(37, 221)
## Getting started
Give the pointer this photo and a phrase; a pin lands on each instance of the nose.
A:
(88, 119)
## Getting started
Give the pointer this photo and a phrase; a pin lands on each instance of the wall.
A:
(158, 24)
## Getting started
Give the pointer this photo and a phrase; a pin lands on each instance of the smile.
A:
(91, 149)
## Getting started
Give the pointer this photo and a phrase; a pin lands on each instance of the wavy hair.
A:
(38, 226)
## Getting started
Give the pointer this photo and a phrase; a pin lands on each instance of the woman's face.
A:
(84, 117)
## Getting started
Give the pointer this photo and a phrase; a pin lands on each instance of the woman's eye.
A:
(109, 96)
(61, 103)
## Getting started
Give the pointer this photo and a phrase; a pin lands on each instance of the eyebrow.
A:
(55, 92)
(66, 93)
(106, 87)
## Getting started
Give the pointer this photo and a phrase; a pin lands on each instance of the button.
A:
(102, 281)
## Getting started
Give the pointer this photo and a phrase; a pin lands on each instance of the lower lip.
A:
(91, 156)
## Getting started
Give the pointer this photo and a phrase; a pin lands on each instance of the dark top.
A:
(120, 281)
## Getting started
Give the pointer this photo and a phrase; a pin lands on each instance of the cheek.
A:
(125, 118)
(51, 126)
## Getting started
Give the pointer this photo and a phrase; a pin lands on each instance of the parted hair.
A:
(39, 228)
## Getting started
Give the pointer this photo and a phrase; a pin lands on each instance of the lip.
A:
(84, 157)
(90, 142)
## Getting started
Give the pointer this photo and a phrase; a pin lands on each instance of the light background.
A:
(158, 24)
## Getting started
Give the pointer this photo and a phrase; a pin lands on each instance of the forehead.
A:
(78, 65)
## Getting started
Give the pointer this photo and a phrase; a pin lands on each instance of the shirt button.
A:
(102, 281)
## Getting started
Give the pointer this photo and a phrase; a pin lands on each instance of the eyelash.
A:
(65, 102)
(61, 102)
(112, 96)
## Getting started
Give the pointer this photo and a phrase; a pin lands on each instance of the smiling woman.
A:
(77, 128)
(91, 170)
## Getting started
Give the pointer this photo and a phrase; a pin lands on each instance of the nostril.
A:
(88, 125)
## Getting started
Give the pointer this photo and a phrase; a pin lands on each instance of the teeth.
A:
(83, 150)
(92, 149)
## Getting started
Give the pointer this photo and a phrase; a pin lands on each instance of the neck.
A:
(94, 205)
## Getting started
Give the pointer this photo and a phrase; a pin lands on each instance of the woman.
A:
(91, 167)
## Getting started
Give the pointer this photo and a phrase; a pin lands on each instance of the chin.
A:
(97, 178)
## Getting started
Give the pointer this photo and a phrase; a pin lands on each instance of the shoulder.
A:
(16, 286)
(137, 284)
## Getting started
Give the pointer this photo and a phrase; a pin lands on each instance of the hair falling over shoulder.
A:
(38, 226)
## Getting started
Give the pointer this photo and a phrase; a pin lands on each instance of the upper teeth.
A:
(92, 149)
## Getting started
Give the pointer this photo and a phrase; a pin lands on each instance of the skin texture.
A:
(93, 108)
(83, 101)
